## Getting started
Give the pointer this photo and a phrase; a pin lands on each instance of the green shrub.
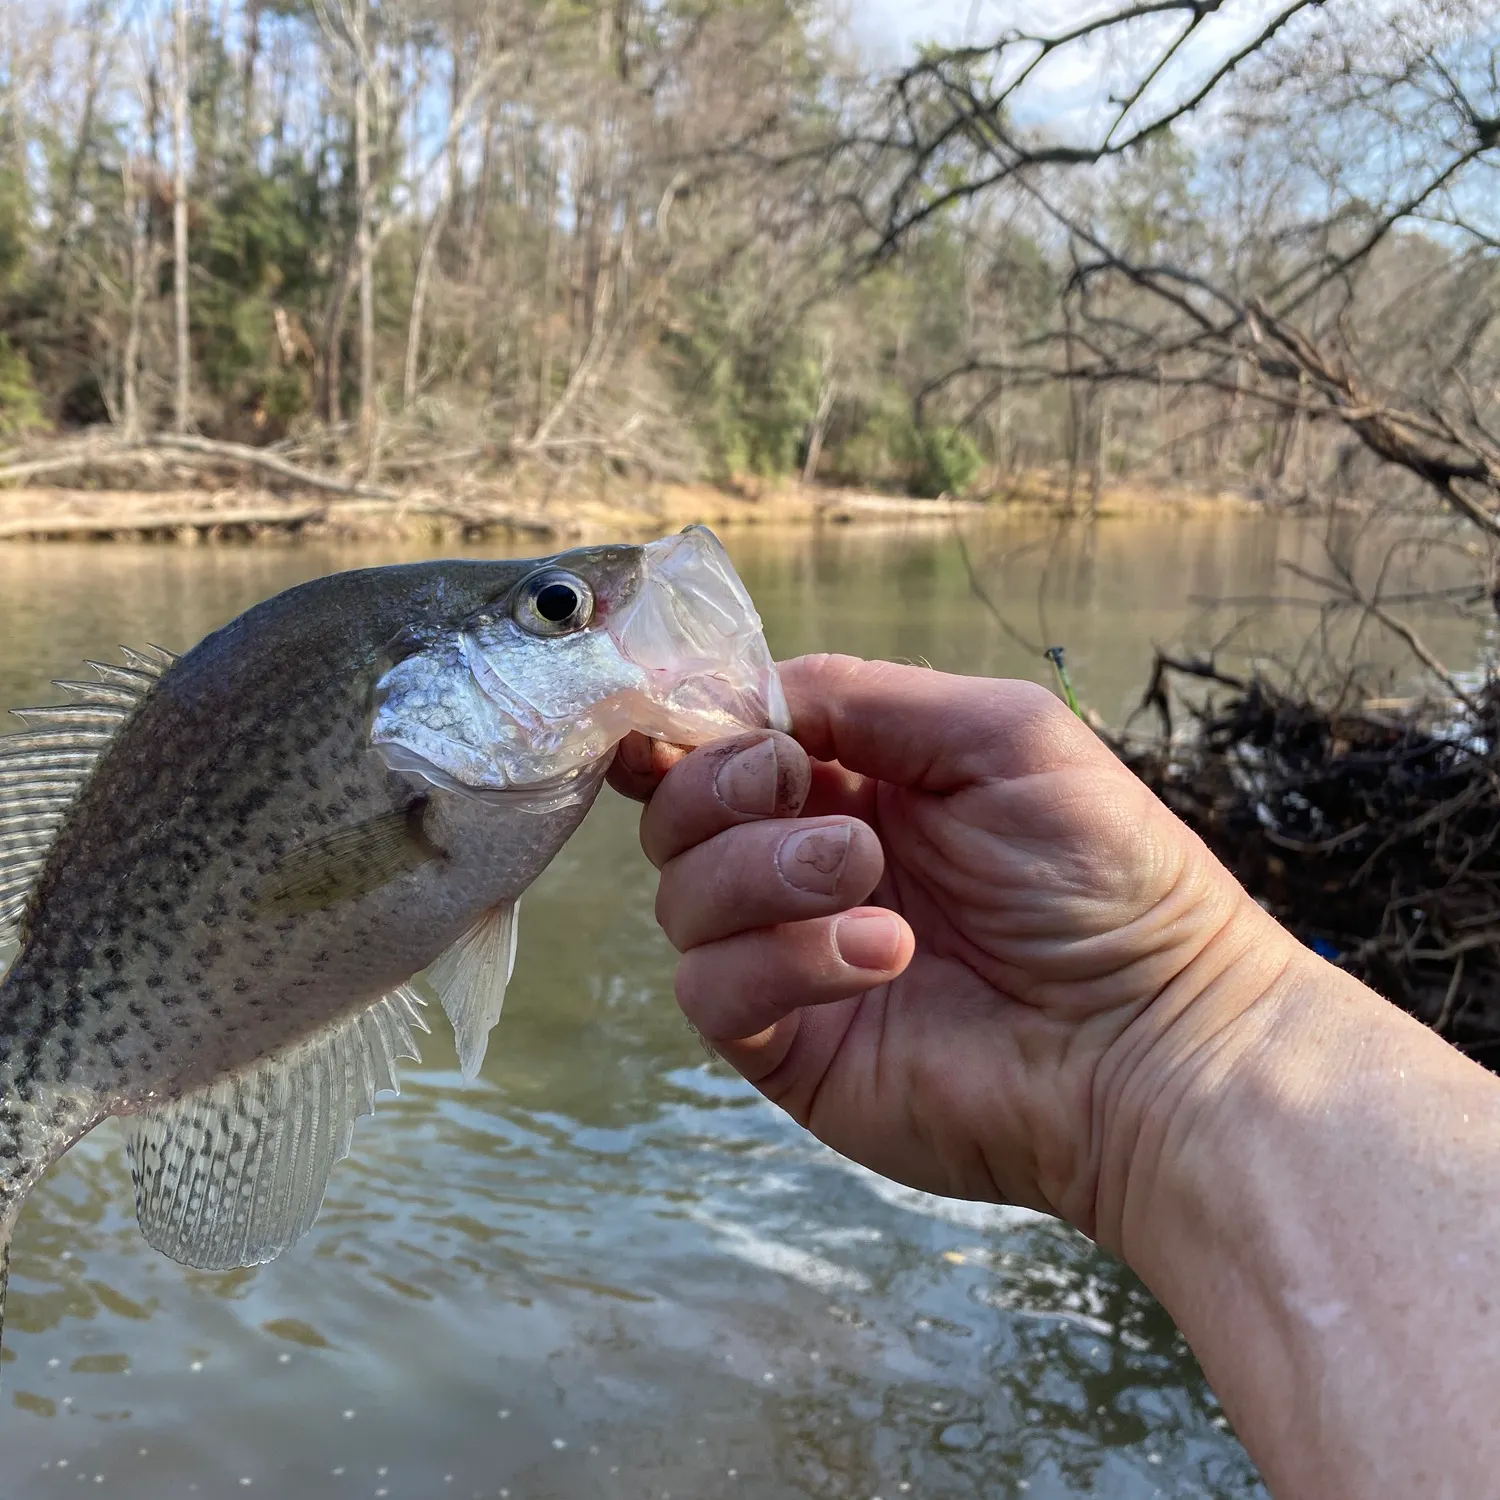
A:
(20, 405)
(946, 461)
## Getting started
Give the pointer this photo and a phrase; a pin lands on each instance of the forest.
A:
(1220, 242)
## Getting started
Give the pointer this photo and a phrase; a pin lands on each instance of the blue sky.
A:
(891, 28)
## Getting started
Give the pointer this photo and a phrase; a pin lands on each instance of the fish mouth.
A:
(693, 631)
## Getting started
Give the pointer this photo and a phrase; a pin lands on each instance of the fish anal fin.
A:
(469, 980)
(234, 1173)
(347, 863)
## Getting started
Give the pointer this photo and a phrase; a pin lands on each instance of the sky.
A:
(1071, 92)
(890, 29)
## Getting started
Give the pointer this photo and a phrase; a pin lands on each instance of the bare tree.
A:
(180, 214)
(1344, 133)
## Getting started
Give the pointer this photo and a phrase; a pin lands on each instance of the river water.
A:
(607, 1270)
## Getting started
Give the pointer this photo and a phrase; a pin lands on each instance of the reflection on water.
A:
(607, 1269)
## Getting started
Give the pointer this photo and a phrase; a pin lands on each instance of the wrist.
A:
(1180, 1070)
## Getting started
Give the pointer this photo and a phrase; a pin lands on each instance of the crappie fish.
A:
(224, 868)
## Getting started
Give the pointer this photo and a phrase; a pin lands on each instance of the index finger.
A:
(744, 780)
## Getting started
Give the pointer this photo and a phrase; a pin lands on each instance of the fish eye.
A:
(553, 603)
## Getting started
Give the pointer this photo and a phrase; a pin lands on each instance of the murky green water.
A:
(607, 1269)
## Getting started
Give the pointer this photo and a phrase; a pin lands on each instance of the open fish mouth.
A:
(672, 648)
(693, 630)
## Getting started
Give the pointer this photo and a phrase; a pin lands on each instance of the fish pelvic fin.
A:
(469, 979)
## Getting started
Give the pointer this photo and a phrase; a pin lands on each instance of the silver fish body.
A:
(235, 862)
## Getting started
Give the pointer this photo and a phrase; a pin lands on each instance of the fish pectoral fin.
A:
(233, 1173)
(346, 863)
(469, 980)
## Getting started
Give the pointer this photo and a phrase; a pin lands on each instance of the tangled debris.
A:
(1372, 832)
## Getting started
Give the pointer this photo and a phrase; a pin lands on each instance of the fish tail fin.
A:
(8, 1214)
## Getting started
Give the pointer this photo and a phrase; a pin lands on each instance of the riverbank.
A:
(470, 509)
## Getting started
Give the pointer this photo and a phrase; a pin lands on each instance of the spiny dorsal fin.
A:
(233, 1174)
(44, 767)
(470, 979)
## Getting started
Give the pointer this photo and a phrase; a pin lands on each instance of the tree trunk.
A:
(67, 212)
(419, 298)
(827, 389)
(136, 216)
(461, 105)
(180, 216)
(549, 281)
(333, 346)
(247, 77)
(365, 249)
(1101, 445)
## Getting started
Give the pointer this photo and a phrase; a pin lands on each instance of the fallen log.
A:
(104, 523)
(189, 445)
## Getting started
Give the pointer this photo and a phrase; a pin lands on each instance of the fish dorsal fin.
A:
(44, 767)
(469, 980)
(232, 1174)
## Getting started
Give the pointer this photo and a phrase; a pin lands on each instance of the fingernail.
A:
(813, 859)
(746, 782)
(635, 754)
(867, 941)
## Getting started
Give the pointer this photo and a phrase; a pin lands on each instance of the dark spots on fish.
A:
(156, 980)
(241, 985)
(67, 1055)
(73, 1013)
(310, 777)
(114, 958)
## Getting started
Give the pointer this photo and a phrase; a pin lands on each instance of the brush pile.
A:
(1372, 832)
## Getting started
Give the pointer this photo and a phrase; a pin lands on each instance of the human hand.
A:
(961, 944)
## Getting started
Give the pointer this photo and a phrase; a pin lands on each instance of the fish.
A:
(234, 873)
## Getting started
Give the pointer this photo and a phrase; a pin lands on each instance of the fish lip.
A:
(693, 630)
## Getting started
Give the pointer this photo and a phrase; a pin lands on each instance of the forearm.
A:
(1316, 1200)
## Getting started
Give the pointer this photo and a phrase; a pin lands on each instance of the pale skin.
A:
(950, 935)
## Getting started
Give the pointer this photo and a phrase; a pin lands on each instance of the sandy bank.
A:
(197, 514)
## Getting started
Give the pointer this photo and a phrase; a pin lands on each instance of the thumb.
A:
(927, 730)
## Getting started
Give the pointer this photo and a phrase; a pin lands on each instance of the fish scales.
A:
(146, 964)
(343, 786)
